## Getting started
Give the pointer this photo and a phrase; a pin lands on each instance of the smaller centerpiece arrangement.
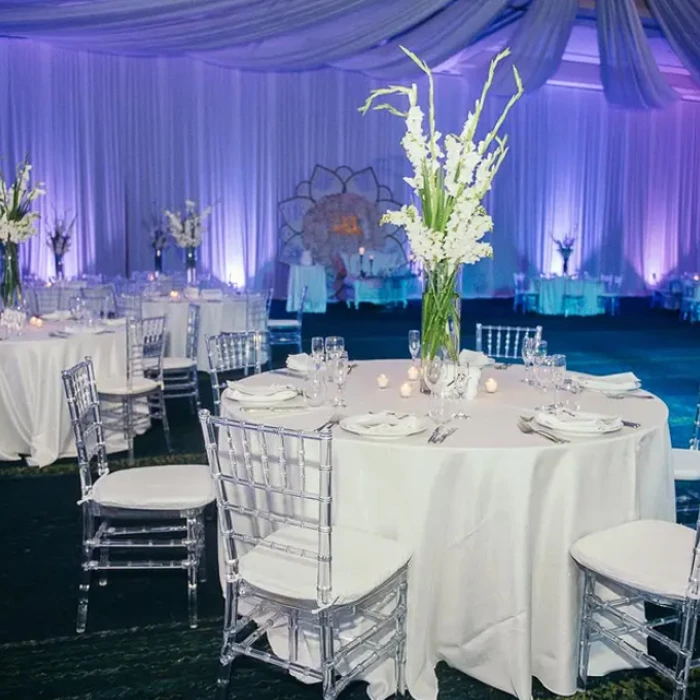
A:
(58, 237)
(16, 226)
(446, 225)
(187, 229)
(160, 237)
(565, 246)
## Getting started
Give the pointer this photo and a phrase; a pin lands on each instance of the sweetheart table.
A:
(490, 515)
(34, 418)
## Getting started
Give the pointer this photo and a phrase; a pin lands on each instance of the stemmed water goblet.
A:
(334, 344)
(317, 351)
(538, 356)
(437, 378)
(528, 352)
(337, 367)
(414, 344)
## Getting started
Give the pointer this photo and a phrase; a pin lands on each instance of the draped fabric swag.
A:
(160, 130)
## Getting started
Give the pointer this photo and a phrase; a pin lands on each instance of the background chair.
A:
(574, 299)
(610, 297)
(44, 300)
(686, 470)
(141, 499)
(129, 305)
(526, 298)
(288, 563)
(145, 341)
(646, 561)
(288, 331)
(229, 354)
(180, 373)
(100, 299)
(504, 342)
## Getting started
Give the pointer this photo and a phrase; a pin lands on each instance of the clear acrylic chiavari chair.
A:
(288, 331)
(151, 510)
(180, 373)
(642, 562)
(686, 470)
(100, 299)
(231, 353)
(286, 563)
(44, 300)
(504, 342)
(129, 305)
(135, 399)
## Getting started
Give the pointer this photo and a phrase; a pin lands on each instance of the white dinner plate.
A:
(351, 425)
(605, 429)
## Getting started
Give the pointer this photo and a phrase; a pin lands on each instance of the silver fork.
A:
(333, 420)
(446, 434)
(526, 427)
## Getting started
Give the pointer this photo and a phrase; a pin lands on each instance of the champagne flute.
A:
(538, 357)
(558, 375)
(317, 350)
(414, 344)
(528, 351)
(337, 371)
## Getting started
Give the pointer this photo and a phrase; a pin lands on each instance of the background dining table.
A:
(489, 515)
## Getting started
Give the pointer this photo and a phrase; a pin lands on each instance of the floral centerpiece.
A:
(160, 238)
(446, 225)
(58, 239)
(187, 229)
(565, 246)
(16, 225)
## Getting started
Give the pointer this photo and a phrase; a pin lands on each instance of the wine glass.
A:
(334, 344)
(337, 367)
(315, 389)
(317, 350)
(414, 344)
(528, 351)
(538, 357)
(558, 375)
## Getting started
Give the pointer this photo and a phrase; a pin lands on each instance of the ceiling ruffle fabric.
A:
(365, 35)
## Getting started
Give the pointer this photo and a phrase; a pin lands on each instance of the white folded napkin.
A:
(191, 293)
(302, 363)
(474, 359)
(383, 423)
(262, 394)
(624, 381)
(77, 330)
(211, 294)
(579, 422)
(58, 315)
(114, 321)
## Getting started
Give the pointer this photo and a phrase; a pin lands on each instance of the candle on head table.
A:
(383, 381)
(491, 385)
(362, 250)
(406, 390)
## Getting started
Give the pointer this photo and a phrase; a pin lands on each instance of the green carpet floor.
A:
(138, 645)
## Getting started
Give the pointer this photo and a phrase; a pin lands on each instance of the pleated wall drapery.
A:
(117, 138)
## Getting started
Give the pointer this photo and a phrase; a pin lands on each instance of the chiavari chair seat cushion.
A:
(652, 556)
(686, 465)
(172, 487)
(173, 364)
(361, 563)
(119, 386)
(278, 323)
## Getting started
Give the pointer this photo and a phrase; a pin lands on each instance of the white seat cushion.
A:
(361, 563)
(650, 555)
(686, 465)
(173, 487)
(117, 386)
(279, 323)
(178, 363)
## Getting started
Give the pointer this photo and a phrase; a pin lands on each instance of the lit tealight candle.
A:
(174, 295)
(413, 373)
(36, 321)
(406, 389)
(491, 385)
(383, 381)
(361, 251)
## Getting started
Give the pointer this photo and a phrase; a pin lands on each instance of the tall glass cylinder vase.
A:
(565, 255)
(158, 262)
(58, 263)
(441, 314)
(11, 289)
(191, 266)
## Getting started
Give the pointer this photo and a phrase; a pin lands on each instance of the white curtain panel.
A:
(116, 139)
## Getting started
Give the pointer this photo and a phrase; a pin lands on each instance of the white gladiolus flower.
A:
(187, 230)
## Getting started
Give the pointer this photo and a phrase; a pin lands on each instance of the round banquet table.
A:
(552, 291)
(216, 316)
(34, 418)
(490, 515)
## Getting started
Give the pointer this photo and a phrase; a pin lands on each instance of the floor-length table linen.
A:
(216, 316)
(552, 294)
(313, 277)
(34, 418)
(490, 516)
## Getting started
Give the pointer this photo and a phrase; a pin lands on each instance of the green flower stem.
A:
(11, 289)
(440, 313)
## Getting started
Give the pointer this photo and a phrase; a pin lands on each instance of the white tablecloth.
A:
(552, 291)
(34, 417)
(490, 516)
(313, 277)
(216, 316)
